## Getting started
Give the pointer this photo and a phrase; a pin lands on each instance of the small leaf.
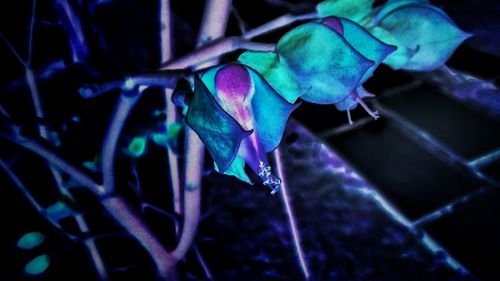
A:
(30, 240)
(168, 136)
(173, 131)
(93, 165)
(355, 10)
(137, 146)
(37, 265)
(59, 210)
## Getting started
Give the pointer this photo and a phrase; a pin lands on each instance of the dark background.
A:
(243, 235)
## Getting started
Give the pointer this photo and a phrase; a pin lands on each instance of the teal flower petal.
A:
(367, 44)
(425, 36)
(258, 111)
(276, 74)
(271, 112)
(327, 67)
(236, 169)
(220, 133)
(355, 10)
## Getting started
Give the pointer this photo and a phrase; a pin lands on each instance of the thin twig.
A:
(215, 49)
(55, 159)
(124, 106)
(30, 34)
(12, 49)
(291, 217)
(278, 23)
(203, 264)
(17, 182)
(116, 206)
(213, 26)
(172, 115)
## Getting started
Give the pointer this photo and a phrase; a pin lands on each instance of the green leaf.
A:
(59, 210)
(93, 165)
(37, 265)
(171, 135)
(173, 131)
(425, 36)
(30, 240)
(355, 10)
(137, 146)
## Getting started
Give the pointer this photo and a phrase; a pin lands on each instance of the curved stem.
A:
(192, 193)
(55, 159)
(82, 224)
(215, 49)
(117, 207)
(277, 23)
(17, 181)
(122, 109)
(172, 115)
(30, 34)
(291, 217)
(134, 223)
(213, 26)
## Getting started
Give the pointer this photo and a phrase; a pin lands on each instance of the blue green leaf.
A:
(425, 36)
(37, 265)
(59, 210)
(137, 146)
(30, 240)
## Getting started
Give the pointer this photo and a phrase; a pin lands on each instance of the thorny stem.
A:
(172, 115)
(289, 212)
